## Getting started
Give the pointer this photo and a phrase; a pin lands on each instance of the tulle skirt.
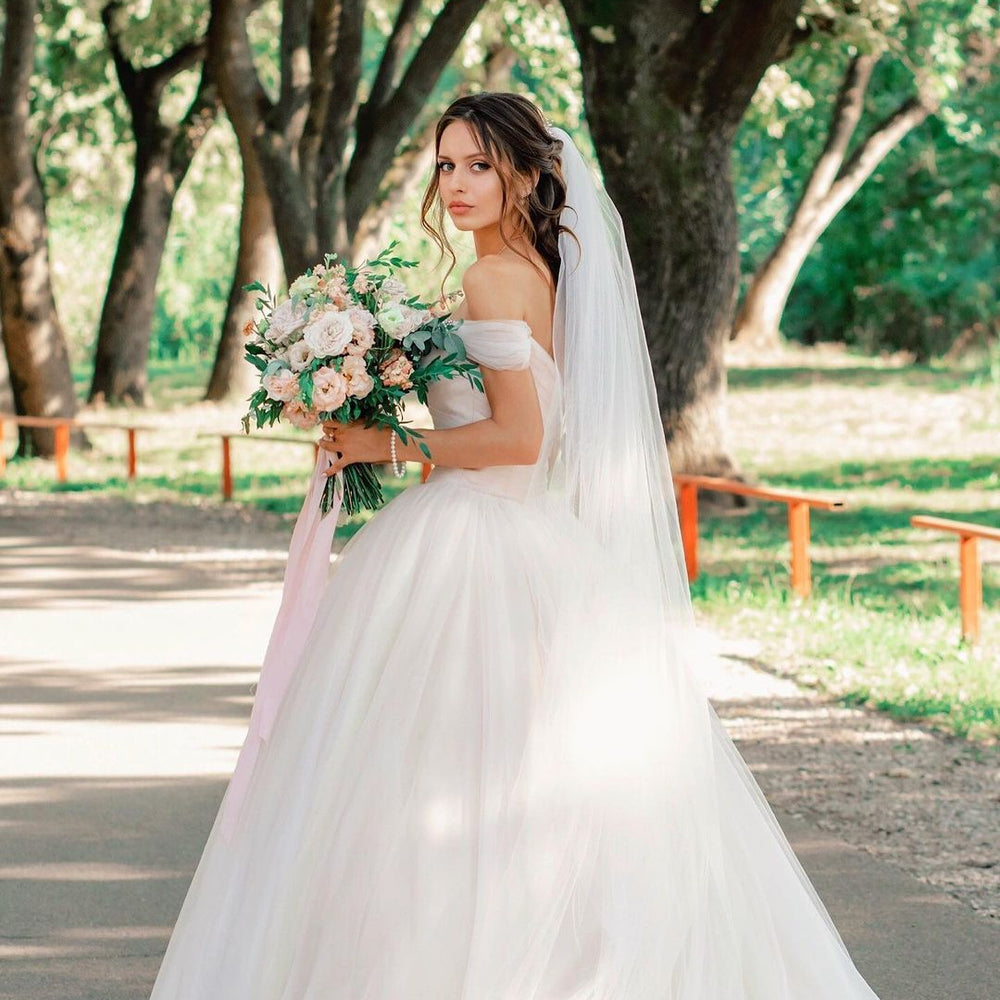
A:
(494, 776)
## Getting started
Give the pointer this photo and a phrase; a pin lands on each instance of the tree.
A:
(301, 137)
(839, 172)
(666, 84)
(257, 259)
(33, 338)
(163, 154)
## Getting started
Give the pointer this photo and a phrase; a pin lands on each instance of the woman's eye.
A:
(481, 163)
(442, 165)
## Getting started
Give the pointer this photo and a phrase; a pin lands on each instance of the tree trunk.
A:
(163, 155)
(126, 326)
(834, 180)
(665, 87)
(258, 259)
(33, 338)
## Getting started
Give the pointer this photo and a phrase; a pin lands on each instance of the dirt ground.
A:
(927, 803)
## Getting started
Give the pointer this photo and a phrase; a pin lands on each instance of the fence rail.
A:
(970, 572)
(798, 505)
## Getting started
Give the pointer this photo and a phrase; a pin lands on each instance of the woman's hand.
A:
(353, 442)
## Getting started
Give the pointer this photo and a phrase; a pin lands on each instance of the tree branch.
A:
(372, 157)
(142, 85)
(884, 137)
(737, 49)
(230, 60)
(186, 57)
(289, 114)
(125, 71)
(392, 57)
(847, 111)
(344, 90)
(195, 125)
(324, 44)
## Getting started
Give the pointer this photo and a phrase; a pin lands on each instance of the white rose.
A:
(299, 355)
(286, 322)
(392, 290)
(329, 333)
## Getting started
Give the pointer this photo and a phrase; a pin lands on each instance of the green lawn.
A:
(882, 626)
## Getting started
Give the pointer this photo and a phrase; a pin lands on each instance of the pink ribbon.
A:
(306, 574)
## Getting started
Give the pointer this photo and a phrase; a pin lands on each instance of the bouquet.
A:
(348, 344)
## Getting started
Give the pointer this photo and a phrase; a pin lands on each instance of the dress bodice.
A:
(504, 344)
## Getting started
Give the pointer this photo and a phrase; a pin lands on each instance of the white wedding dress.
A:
(494, 776)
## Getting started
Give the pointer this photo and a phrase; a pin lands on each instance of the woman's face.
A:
(468, 183)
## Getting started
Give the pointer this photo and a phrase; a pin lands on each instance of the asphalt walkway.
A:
(125, 689)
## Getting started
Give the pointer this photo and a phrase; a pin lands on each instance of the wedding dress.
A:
(491, 772)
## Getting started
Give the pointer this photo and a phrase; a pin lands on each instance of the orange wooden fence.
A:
(227, 451)
(798, 503)
(798, 519)
(62, 427)
(970, 574)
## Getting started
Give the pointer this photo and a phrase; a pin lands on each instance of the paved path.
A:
(125, 683)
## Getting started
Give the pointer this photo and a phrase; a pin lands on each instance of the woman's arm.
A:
(511, 435)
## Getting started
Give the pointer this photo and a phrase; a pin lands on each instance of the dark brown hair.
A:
(513, 132)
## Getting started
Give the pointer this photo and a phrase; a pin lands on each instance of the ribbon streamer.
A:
(306, 574)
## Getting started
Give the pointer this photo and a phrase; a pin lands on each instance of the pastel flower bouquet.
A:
(348, 344)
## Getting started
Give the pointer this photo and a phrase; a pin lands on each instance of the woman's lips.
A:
(459, 209)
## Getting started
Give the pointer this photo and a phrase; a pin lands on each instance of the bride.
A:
(488, 771)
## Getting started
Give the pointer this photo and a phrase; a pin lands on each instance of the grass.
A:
(882, 626)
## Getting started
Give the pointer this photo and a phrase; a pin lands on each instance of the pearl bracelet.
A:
(399, 468)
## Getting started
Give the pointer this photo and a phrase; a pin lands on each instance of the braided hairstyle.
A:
(514, 132)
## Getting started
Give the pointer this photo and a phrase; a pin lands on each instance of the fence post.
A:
(798, 535)
(970, 586)
(62, 451)
(132, 455)
(227, 470)
(689, 528)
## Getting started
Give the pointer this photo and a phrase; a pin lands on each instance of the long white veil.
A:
(614, 463)
(689, 841)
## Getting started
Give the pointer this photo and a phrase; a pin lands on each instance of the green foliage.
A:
(910, 261)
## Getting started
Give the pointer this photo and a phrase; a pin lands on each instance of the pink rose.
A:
(299, 415)
(361, 343)
(397, 369)
(329, 389)
(359, 382)
(362, 319)
(282, 385)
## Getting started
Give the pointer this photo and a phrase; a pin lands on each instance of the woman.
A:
(492, 774)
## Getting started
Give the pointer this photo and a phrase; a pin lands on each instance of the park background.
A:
(810, 193)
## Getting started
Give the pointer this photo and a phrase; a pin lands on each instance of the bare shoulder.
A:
(493, 289)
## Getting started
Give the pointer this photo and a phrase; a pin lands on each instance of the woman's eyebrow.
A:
(472, 156)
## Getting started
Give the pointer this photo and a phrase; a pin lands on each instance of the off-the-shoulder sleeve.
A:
(497, 343)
